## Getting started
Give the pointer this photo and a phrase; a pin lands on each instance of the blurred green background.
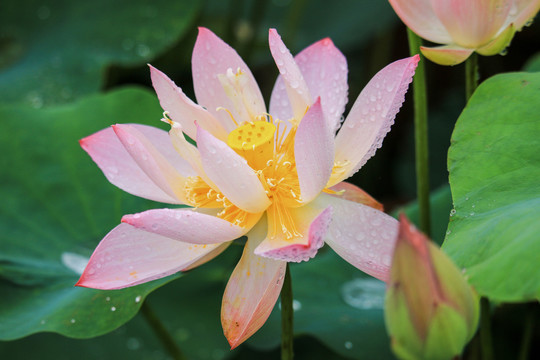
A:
(70, 68)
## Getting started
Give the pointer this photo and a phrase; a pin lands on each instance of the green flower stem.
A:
(485, 330)
(287, 334)
(161, 332)
(471, 75)
(421, 134)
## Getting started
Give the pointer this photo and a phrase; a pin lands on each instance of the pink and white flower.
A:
(275, 177)
(465, 26)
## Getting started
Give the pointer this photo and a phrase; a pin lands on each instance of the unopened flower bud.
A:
(431, 311)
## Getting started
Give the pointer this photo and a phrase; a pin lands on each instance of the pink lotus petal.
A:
(181, 109)
(446, 54)
(313, 152)
(472, 23)
(361, 235)
(151, 161)
(128, 256)
(185, 225)
(499, 43)
(231, 174)
(209, 256)
(420, 17)
(251, 292)
(524, 10)
(189, 152)
(325, 70)
(211, 57)
(311, 222)
(121, 170)
(295, 85)
(372, 115)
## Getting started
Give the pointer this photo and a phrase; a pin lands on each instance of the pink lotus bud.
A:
(431, 311)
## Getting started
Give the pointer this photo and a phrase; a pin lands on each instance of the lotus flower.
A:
(465, 26)
(275, 177)
(431, 311)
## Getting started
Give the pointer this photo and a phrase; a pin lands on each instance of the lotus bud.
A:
(431, 312)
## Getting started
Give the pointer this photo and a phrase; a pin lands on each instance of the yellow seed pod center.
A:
(254, 141)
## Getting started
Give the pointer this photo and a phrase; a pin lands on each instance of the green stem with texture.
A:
(287, 333)
(471, 75)
(421, 135)
(161, 332)
(485, 330)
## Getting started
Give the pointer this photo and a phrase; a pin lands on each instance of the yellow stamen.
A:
(200, 195)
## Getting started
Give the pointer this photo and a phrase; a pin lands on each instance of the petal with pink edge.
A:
(325, 71)
(251, 292)
(313, 152)
(231, 174)
(212, 57)
(472, 23)
(447, 55)
(371, 117)
(311, 224)
(363, 236)
(123, 171)
(420, 17)
(151, 161)
(181, 109)
(295, 85)
(128, 256)
(185, 225)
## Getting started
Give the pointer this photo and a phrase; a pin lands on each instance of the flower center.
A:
(254, 142)
(270, 152)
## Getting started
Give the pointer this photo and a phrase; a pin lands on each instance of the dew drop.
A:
(74, 262)
(133, 344)
(113, 308)
(364, 293)
(42, 322)
(155, 226)
(35, 99)
(452, 212)
(142, 50)
(107, 299)
(348, 345)
(138, 299)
